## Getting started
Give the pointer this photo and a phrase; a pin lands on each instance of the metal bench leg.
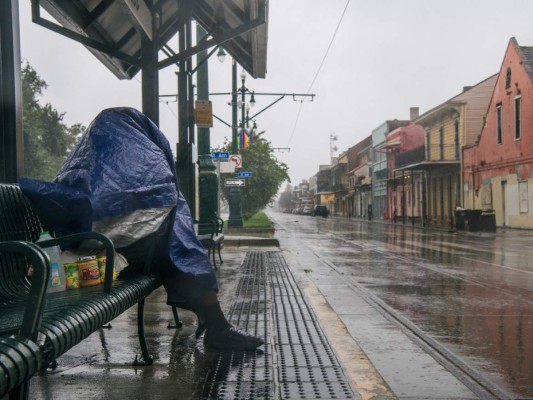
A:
(20, 393)
(219, 256)
(142, 338)
(177, 321)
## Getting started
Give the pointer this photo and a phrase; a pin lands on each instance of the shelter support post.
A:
(235, 211)
(11, 133)
(209, 182)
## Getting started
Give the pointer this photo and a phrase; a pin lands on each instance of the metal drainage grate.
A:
(298, 362)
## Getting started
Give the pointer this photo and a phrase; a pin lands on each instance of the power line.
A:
(329, 46)
(295, 122)
(319, 69)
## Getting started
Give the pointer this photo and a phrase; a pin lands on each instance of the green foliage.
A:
(285, 200)
(47, 140)
(257, 220)
(267, 175)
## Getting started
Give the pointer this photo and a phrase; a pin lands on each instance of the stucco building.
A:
(448, 128)
(498, 170)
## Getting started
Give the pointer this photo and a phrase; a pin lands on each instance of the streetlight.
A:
(234, 193)
(245, 107)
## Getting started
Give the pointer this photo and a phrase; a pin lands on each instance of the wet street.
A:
(465, 298)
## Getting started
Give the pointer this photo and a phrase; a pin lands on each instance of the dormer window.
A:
(508, 78)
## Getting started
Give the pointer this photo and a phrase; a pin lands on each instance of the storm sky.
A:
(384, 57)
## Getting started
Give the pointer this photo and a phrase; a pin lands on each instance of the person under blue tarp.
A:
(120, 180)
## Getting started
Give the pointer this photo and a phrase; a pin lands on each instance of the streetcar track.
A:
(470, 377)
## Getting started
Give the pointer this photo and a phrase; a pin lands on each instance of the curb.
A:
(250, 241)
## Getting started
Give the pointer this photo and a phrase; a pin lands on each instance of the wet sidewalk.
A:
(323, 340)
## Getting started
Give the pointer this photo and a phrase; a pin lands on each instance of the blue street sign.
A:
(244, 174)
(220, 155)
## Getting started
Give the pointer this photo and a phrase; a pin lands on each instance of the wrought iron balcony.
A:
(410, 157)
(438, 152)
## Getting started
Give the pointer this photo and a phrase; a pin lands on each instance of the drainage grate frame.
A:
(297, 362)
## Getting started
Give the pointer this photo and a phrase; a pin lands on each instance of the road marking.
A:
(498, 265)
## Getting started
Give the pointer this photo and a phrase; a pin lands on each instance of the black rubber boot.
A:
(220, 334)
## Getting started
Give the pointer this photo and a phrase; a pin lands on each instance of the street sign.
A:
(236, 159)
(234, 182)
(244, 174)
(220, 155)
(203, 114)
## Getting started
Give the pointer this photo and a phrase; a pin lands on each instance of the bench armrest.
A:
(207, 227)
(78, 237)
(31, 320)
(220, 223)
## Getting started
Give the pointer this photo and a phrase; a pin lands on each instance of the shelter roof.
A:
(113, 30)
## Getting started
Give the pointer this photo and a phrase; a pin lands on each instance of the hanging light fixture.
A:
(221, 54)
(252, 100)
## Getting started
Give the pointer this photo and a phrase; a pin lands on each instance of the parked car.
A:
(307, 210)
(320, 211)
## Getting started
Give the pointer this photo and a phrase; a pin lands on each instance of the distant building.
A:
(405, 190)
(359, 178)
(339, 185)
(378, 168)
(324, 193)
(448, 128)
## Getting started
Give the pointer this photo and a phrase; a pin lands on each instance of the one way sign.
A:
(234, 182)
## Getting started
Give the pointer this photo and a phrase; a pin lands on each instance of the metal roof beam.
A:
(184, 55)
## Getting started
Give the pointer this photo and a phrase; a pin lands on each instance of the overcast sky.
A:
(387, 56)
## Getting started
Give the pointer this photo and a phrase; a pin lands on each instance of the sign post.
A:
(235, 182)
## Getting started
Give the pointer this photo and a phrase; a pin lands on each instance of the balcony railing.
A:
(410, 157)
(438, 152)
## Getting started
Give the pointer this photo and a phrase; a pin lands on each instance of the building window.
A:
(441, 142)
(508, 78)
(456, 138)
(499, 124)
(428, 144)
(517, 117)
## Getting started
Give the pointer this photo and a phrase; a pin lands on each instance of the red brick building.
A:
(498, 169)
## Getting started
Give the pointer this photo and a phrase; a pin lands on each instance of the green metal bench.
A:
(20, 359)
(57, 321)
(211, 236)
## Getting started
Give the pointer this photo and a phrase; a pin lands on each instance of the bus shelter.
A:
(128, 37)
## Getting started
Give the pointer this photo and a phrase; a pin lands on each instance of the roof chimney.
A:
(465, 88)
(413, 113)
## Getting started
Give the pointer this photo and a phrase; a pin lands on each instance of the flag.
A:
(245, 137)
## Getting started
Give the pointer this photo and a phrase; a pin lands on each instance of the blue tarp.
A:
(122, 164)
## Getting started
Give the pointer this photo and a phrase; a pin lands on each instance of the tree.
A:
(267, 176)
(286, 200)
(47, 140)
